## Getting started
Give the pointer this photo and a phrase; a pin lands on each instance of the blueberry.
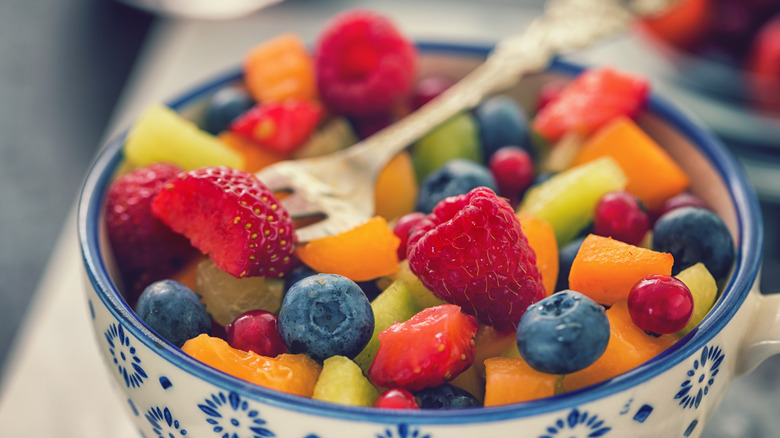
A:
(502, 122)
(455, 177)
(224, 106)
(326, 315)
(370, 287)
(693, 235)
(446, 396)
(566, 257)
(297, 275)
(174, 311)
(563, 333)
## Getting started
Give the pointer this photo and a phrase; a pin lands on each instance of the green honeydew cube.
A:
(421, 295)
(335, 135)
(458, 137)
(227, 297)
(394, 304)
(160, 134)
(568, 200)
(342, 381)
(704, 290)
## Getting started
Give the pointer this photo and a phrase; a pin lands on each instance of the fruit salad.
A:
(516, 253)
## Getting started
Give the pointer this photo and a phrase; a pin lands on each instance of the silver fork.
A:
(338, 188)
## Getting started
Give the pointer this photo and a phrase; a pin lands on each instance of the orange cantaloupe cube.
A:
(606, 269)
(653, 176)
(255, 156)
(628, 347)
(541, 238)
(512, 380)
(363, 253)
(291, 373)
(396, 188)
(489, 343)
(280, 68)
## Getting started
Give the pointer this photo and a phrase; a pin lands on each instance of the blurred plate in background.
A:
(201, 9)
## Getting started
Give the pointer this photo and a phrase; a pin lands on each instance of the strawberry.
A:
(280, 126)
(590, 101)
(471, 251)
(431, 348)
(231, 216)
(146, 250)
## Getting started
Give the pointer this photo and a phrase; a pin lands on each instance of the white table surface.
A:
(56, 384)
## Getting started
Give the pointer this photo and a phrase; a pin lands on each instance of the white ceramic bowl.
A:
(168, 394)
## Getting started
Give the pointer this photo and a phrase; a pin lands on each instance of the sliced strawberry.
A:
(431, 348)
(146, 250)
(590, 101)
(280, 126)
(231, 216)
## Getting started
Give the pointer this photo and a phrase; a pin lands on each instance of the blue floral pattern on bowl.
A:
(700, 377)
(124, 356)
(232, 417)
(403, 431)
(579, 424)
(164, 424)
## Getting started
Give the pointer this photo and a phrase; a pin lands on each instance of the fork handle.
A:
(500, 71)
(566, 24)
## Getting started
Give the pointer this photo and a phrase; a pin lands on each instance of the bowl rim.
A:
(745, 274)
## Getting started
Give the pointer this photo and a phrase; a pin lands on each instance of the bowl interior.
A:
(715, 177)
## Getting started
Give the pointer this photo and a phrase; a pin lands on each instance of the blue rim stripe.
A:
(750, 238)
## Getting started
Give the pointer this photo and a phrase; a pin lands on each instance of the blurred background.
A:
(65, 69)
(62, 68)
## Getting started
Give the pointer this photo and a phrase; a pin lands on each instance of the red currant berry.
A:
(427, 88)
(403, 228)
(256, 330)
(621, 216)
(684, 199)
(660, 304)
(513, 169)
(396, 398)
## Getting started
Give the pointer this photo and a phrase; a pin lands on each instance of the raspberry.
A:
(443, 340)
(364, 64)
(231, 216)
(146, 250)
(472, 252)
